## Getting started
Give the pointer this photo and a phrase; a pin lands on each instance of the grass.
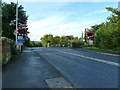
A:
(96, 48)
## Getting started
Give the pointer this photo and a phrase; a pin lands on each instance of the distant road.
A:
(84, 69)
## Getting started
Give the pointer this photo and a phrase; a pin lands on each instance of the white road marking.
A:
(95, 59)
(35, 50)
(96, 52)
(26, 51)
(46, 54)
(108, 54)
(37, 57)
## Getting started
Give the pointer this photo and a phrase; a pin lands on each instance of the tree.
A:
(38, 44)
(8, 18)
(32, 43)
(56, 40)
(48, 38)
(63, 39)
(27, 42)
(70, 37)
(108, 34)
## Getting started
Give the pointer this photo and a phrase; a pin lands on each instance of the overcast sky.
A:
(63, 17)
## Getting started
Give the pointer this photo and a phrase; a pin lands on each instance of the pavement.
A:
(82, 69)
(28, 70)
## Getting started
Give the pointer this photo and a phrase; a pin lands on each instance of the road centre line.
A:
(105, 53)
(108, 54)
(97, 52)
(95, 59)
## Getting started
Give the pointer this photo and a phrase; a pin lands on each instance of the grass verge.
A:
(96, 48)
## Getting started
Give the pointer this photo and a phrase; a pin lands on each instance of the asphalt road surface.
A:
(84, 69)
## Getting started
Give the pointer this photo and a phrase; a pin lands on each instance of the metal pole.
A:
(85, 35)
(16, 22)
(119, 12)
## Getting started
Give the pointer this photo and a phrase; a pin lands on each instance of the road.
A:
(82, 69)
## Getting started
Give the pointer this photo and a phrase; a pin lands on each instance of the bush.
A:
(77, 44)
(4, 39)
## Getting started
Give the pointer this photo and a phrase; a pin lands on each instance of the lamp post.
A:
(119, 12)
(16, 23)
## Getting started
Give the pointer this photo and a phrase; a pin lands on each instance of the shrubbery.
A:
(77, 44)
(108, 33)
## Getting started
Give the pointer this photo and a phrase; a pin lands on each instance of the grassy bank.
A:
(96, 48)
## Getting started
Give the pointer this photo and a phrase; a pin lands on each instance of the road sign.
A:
(20, 37)
(20, 41)
(90, 42)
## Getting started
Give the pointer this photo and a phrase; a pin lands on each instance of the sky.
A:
(66, 17)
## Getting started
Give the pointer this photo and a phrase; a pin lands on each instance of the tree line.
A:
(58, 41)
(9, 20)
(107, 34)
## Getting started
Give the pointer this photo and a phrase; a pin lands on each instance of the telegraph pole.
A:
(16, 22)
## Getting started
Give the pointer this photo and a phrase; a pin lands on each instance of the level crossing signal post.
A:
(22, 33)
(88, 34)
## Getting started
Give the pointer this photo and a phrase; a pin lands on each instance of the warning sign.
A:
(90, 42)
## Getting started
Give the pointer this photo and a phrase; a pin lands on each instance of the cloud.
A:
(96, 12)
(56, 25)
(39, 28)
(57, 21)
